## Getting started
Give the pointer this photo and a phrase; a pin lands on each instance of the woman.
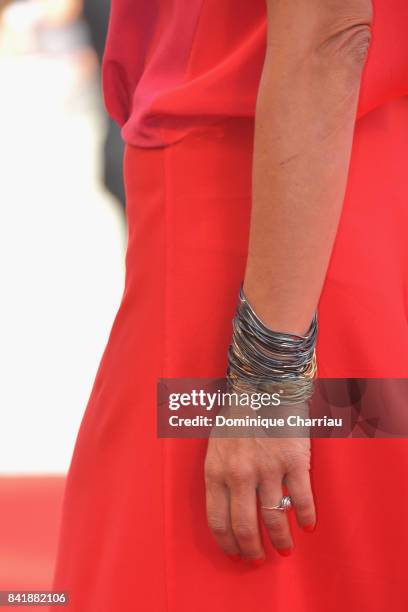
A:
(264, 144)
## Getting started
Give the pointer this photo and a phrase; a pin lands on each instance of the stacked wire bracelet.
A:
(260, 359)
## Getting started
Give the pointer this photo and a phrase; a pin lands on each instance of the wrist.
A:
(277, 307)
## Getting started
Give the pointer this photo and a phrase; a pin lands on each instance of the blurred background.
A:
(62, 240)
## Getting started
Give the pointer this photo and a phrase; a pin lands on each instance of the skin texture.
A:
(305, 116)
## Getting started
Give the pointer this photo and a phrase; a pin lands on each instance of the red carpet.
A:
(29, 521)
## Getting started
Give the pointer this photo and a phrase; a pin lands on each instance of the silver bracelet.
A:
(260, 359)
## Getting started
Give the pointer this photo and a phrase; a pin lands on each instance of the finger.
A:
(244, 519)
(219, 517)
(276, 521)
(300, 491)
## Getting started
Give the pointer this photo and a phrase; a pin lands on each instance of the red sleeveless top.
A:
(172, 65)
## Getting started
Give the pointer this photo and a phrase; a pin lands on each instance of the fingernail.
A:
(236, 557)
(285, 552)
(309, 528)
(257, 562)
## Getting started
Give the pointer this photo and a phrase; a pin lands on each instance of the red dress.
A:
(134, 533)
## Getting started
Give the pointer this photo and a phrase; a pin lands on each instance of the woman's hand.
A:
(239, 469)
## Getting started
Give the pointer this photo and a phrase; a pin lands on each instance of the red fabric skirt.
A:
(134, 533)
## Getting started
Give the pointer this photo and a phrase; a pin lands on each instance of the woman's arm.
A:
(305, 116)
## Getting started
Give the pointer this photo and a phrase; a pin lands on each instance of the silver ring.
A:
(284, 504)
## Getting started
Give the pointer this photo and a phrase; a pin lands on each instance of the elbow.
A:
(343, 35)
(347, 48)
(320, 37)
